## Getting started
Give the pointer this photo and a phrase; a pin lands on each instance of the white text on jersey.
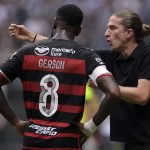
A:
(59, 51)
(51, 64)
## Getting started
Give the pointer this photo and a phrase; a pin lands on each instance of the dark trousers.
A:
(131, 146)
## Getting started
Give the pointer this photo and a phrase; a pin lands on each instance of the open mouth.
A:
(109, 42)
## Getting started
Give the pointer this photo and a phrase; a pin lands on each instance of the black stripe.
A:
(63, 77)
(59, 116)
(68, 99)
(51, 143)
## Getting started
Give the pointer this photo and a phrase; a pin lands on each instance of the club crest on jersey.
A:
(41, 50)
(99, 61)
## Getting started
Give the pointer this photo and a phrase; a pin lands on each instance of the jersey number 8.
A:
(48, 91)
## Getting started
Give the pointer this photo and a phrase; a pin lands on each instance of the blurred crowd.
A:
(38, 15)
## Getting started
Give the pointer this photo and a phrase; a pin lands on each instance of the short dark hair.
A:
(70, 14)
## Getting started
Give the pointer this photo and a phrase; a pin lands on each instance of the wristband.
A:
(89, 128)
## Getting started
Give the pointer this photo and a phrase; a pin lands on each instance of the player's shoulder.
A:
(29, 47)
(77, 47)
(87, 51)
(83, 48)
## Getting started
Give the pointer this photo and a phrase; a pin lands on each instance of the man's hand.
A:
(20, 126)
(87, 129)
(21, 32)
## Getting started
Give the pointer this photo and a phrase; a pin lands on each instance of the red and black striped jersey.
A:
(53, 75)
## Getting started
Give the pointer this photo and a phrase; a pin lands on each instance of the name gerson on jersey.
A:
(52, 64)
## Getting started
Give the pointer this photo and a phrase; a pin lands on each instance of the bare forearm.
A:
(112, 93)
(133, 95)
(6, 111)
(104, 110)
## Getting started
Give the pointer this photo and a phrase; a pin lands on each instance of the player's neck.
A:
(62, 34)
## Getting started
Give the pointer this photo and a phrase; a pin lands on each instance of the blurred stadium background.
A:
(38, 15)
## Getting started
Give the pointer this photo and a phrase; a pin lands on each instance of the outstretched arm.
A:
(137, 95)
(22, 33)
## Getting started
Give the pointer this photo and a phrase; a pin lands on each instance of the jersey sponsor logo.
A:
(41, 50)
(58, 51)
(43, 130)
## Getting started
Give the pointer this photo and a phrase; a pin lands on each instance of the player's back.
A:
(52, 70)
(54, 76)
